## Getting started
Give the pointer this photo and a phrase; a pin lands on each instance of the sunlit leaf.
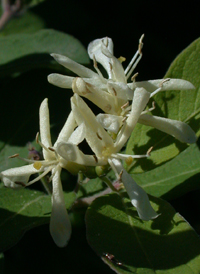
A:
(128, 245)
(22, 210)
(179, 105)
(174, 178)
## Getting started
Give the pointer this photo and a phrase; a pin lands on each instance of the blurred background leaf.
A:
(23, 52)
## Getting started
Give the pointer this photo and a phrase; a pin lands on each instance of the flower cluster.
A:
(123, 105)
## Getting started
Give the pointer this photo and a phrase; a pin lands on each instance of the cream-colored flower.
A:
(106, 149)
(113, 94)
(60, 227)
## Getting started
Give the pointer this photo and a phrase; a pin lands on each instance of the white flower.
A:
(60, 227)
(113, 93)
(106, 150)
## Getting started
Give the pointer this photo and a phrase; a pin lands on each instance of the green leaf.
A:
(178, 105)
(24, 52)
(27, 23)
(22, 210)
(165, 245)
(175, 177)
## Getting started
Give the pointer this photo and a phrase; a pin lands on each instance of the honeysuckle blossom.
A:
(60, 227)
(113, 94)
(106, 149)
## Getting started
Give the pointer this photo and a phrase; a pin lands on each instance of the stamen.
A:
(23, 159)
(150, 109)
(121, 59)
(135, 60)
(149, 151)
(134, 76)
(160, 87)
(126, 156)
(125, 105)
(40, 176)
(38, 142)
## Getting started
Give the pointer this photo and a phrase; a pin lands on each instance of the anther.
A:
(114, 91)
(95, 157)
(98, 136)
(14, 156)
(140, 44)
(125, 105)
(134, 76)
(52, 149)
(149, 151)
(37, 138)
(120, 175)
(164, 80)
(20, 183)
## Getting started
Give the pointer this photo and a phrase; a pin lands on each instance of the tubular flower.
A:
(111, 93)
(106, 149)
(60, 226)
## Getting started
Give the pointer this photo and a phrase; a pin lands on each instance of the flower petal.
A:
(78, 135)
(67, 129)
(138, 196)
(45, 129)
(110, 122)
(18, 176)
(99, 97)
(96, 136)
(178, 129)
(72, 153)
(73, 66)
(171, 84)
(94, 49)
(60, 226)
(116, 68)
(140, 99)
(60, 80)
(122, 90)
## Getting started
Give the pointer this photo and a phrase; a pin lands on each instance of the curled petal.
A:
(99, 97)
(178, 129)
(60, 80)
(170, 84)
(72, 153)
(138, 196)
(73, 66)
(17, 177)
(116, 68)
(78, 135)
(60, 226)
(110, 122)
(95, 50)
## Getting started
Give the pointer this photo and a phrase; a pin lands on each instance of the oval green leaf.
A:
(165, 245)
(178, 105)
